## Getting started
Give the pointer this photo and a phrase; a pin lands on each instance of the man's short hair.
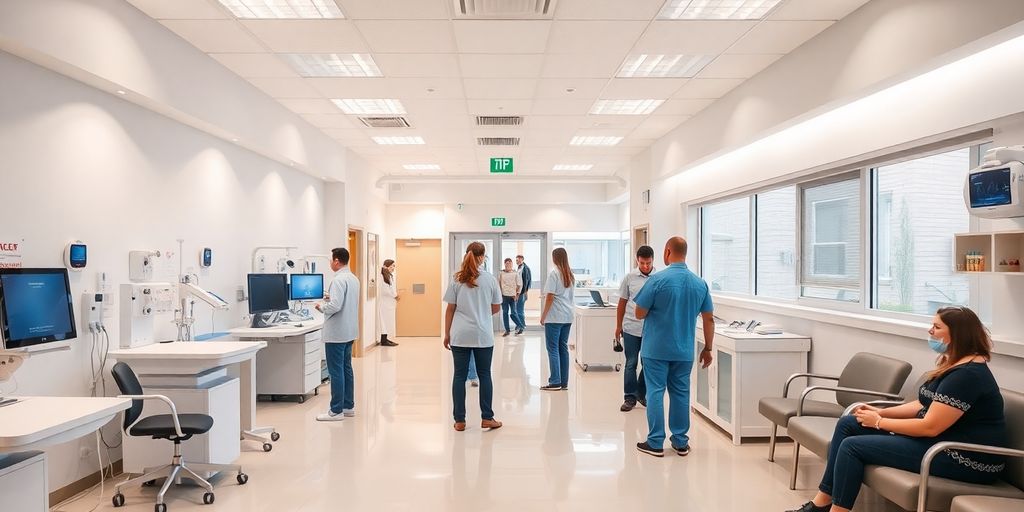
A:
(644, 252)
(340, 254)
(520, 256)
(508, 260)
(677, 245)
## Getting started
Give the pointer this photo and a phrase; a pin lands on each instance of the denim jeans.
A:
(472, 370)
(521, 309)
(854, 447)
(556, 337)
(675, 377)
(339, 366)
(508, 306)
(461, 357)
(632, 386)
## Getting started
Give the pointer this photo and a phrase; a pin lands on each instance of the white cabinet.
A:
(591, 336)
(23, 482)
(746, 368)
(290, 365)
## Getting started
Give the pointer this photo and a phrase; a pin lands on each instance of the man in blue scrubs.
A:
(669, 304)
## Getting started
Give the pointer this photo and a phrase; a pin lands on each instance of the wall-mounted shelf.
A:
(996, 247)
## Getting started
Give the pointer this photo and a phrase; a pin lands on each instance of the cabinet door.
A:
(703, 382)
(724, 385)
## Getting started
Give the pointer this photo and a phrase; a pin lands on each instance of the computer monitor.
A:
(267, 292)
(307, 287)
(35, 306)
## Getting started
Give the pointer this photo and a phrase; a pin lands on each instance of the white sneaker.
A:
(349, 413)
(474, 382)
(330, 416)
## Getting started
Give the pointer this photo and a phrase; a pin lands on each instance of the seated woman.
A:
(959, 402)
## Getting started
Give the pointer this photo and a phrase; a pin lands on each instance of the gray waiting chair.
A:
(865, 376)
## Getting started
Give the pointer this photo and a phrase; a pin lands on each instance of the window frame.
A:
(751, 250)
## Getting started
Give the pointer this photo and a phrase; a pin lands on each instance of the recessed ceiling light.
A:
(398, 140)
(333, 64)
(421, 167)
(595, 140)
(716, 9)
(278, 9)
(122, 93)
(234, 139)
(573, 167)
(625, 107)
(370, 107)
(570, 90)
(663, 66)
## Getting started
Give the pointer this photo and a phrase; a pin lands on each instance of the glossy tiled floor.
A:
(566, 451)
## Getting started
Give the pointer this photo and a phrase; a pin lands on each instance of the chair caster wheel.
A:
(149, 483)
(274, 436)
(267, 447)
(242, 478)
(208, 498)
(118, 500)
(618, 367)
(160, 507)
(586, 367)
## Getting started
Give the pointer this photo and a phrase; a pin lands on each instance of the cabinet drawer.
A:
(312, 356)
(312, 378)
(313, 336)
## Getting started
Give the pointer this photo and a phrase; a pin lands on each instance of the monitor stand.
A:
(259, 321)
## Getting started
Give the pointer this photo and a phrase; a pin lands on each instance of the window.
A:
(918, 207)
(776, 243)
(831, 241)
(597, 259)
(725, 245)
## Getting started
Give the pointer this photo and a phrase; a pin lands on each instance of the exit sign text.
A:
(501, 165)
(497, 222)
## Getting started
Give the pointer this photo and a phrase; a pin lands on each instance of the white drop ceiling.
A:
(446, 70)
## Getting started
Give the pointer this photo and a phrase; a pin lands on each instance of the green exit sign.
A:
(497, 222)
(501, 165)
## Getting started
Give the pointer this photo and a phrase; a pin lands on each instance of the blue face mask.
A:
(937, 345)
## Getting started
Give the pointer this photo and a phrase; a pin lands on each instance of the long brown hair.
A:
(385, 273)
(471, 265)
(561, 259)
(967, 336)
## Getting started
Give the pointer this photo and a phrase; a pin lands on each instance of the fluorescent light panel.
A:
(663, 66)
(573, 167)
(398, 140)
(283, 9)
(595, 140)
(625, 107)
(333, 64)
(421, 167)
(370, 107)
(716, 9)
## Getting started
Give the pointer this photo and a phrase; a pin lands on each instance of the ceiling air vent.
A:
(385, 122)
(497, 141)
(499, 120)
(505, 9)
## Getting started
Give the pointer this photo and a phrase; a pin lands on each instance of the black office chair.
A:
(173, 427)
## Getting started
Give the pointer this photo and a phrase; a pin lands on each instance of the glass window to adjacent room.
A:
(598, 259)
(725, 245)
(918, 206)
(832, 240)
(776, 243)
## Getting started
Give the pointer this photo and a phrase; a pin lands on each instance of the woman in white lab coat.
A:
(388, 303)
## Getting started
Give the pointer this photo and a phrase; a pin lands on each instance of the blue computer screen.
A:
(37, 306)
(307, 286)
(990, 188)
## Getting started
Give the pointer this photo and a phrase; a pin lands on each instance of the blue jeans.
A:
(339, 366)
(472, 370)
(508, 306)
(557, 338)
(462, 356)
(675, 377)
(521, 309)
(854, 447)
(632, 386)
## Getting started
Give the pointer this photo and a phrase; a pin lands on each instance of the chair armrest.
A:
(803, 396)
(883, 403)
(929, 456)
(162, 398)
(785, 388)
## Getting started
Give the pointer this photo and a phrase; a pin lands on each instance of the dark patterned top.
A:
(972, 389)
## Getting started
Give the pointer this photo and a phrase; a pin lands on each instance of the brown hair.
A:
(384, 272)
(967, 336)
(470, 265)
(561, 259)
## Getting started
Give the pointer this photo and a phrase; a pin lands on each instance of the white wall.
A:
(499, 192)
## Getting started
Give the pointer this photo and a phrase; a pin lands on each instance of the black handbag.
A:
(616, 345)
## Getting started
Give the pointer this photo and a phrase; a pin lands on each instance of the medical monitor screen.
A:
(307, 286)
(990, 188)
(35, 306)
(268, 292)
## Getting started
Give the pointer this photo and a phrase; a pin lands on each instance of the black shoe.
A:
(551, 387)
(388, 343)
(519, 331)
(646, 448)
(628, 405)
(642, 402)
(505, 335)
(682, 452)
(810, 507)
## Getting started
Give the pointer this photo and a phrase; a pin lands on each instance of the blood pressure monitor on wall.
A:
(995, 189)
(76, 255)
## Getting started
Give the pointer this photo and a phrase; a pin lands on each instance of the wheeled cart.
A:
(593, 329)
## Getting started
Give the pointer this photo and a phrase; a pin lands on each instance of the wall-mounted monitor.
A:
(36, 306)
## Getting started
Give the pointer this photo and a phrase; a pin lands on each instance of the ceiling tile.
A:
(331, 121)
(642, 88)
(308, 36)
(778, 36)
(499, 88)
(701, 88)
(438, 88)
(607, 9)
(737, 66)
(580, 66)
(418, 65)
(682, 107)
(181, 9)
(561, 107)
(401, 88)
(395, 9)
(215, 36)
(255, 65)
(286, 87)
(501, 36)
(434, 107)
(499, 107)
(557, 87)
(612, 122)
(345, 133)
(654, 127)
(474, 65)
(815, 9)
(691, 37)
(408, 36)
(309, 106)
(613, 38)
